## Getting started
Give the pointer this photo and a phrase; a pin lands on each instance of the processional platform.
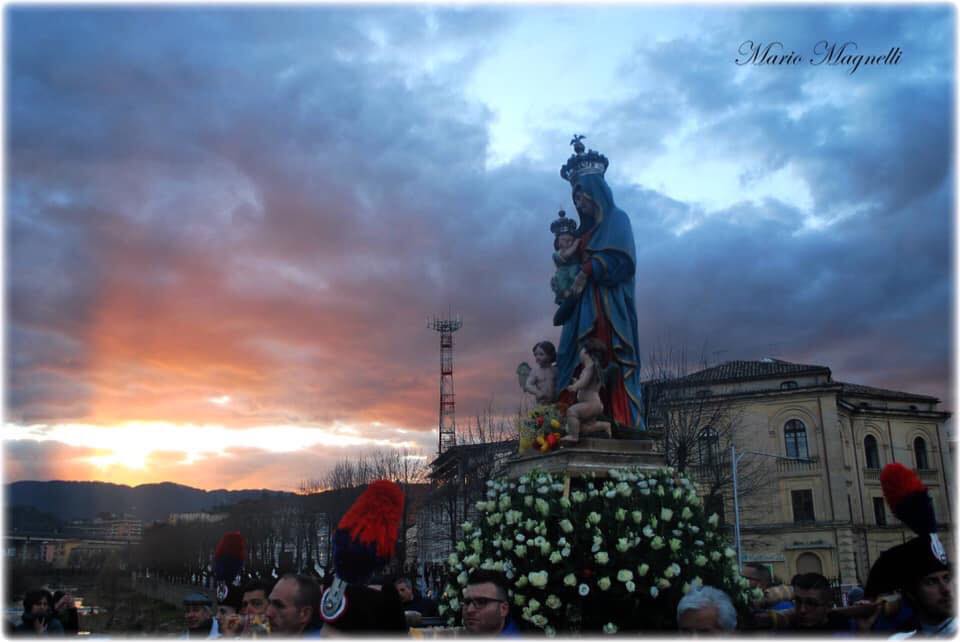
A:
(592, 455)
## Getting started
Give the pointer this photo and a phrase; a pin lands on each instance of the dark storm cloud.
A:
(870, 293)
(268, 204)
(256, 187)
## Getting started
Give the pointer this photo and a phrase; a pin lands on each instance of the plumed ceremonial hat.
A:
(228, 559)
(364, 542)
(901, 566)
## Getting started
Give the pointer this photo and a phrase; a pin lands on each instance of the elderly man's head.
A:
(197, 612)
(294, 602)
(485, 605)
(706, 610)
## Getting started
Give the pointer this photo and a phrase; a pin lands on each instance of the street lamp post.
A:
(734, 460)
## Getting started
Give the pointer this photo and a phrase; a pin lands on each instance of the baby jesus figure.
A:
(567, 282)
(566, 246)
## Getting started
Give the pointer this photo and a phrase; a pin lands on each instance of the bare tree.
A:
(407, 468)
(488, 427)
(698, 426)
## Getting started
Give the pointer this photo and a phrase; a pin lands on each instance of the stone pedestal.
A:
(591, 455)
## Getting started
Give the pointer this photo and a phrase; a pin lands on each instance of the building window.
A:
(789, 385)
(871, 451)
(802, 505)
(809, 563)
(920, 453)
(708, 445)
(795, 434)
(879, 512)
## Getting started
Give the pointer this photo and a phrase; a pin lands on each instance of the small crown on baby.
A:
(563, 225)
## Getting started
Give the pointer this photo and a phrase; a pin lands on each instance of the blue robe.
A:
(609, 296)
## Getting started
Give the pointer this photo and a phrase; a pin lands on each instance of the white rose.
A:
(602, 557)
(642, 569)
(609, 628)
(538, 579)
(714, 519)
(570, 580)
(604, 583)
(553, 602)
(666, 514)
(624, 575)
(686, 513)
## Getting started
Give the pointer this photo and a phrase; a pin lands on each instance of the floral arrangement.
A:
(541, 429)
(617, 554)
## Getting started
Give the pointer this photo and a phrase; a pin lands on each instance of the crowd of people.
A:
(290, 607)
(909, 590)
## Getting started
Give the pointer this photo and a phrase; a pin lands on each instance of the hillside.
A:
(84, 500)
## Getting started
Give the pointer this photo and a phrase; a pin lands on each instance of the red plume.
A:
(898, 482)
(375, 516)
(232, 545)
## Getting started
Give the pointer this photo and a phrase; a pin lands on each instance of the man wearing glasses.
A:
(486, 609)
(813, 599)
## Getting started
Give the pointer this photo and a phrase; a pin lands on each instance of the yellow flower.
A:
(554, 424)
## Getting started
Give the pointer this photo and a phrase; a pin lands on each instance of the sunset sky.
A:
(226, 228)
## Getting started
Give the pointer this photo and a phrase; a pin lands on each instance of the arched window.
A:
(920, 453)
(795, 434)
(871, 451)
(809, 563)
(708, 445)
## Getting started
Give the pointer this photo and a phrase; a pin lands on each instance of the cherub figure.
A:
(584, 413)
(540, 381)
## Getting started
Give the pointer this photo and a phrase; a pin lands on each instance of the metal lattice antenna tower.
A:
(448, 422)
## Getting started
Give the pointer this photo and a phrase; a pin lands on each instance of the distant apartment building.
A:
(110, 527)
(199, 518)
(58, 552)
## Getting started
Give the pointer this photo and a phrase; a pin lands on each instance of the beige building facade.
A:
(823, 443)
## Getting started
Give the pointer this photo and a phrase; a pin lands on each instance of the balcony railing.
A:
(871, 474)
(812, 464)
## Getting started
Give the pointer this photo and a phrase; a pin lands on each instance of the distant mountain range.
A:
(69, 500)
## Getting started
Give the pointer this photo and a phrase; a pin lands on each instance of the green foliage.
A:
(617, 554)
